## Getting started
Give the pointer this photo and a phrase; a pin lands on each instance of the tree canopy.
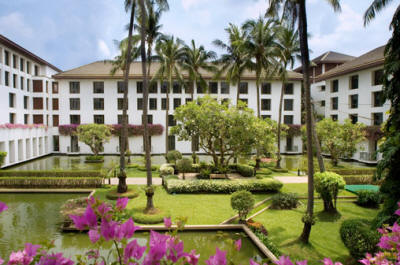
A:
(94, 135)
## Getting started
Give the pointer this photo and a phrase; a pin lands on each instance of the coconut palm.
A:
(236, 59)
(375, 7)
(119, 62)
(295, 11)
(170, 54)
(288, 48)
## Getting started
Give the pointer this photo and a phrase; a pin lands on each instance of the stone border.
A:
(46, 190)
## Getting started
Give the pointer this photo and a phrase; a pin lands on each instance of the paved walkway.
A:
(303, 179)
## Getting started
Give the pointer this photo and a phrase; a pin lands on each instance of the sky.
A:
(71, 33)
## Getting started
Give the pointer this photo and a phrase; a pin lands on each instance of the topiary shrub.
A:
(285, 201)
(327, 184)
(204, 174)
(358, 237)
(279, 170)
(242, 201)
(184, 165)
(367, 198)
(245, 170)
(2, 158)
(173, 156)
(140, 217)
(166, 169)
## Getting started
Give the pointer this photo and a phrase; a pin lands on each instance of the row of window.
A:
(377, 79)
(98, 88)
(376, 118)
(25, 83)
(377, 101)
(36, 119)
(37, 102)
(19, 63)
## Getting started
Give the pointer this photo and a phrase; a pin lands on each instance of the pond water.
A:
(35, 218)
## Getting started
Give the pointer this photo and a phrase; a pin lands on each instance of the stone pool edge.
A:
(83, 191)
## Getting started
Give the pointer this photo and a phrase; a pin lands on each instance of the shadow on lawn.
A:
(328, 216)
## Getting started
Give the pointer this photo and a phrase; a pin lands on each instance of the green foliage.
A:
(327, 184)
(204, 173)
(354, 171)
(367, 198)
(140, 217)
(285, 201)
(166, 169)
(52, 173)
(153, 168)
(280, 170)
(268, 243)
(94, 158)
(51, 182)
(222, 186)
(2, 157)
(195, 168)
(245, 170)
(264, 171)
(184, 165)
(94, 135)
(114, 195)
(173, 156)
(358, 237)
(242, 201)
(356, 179)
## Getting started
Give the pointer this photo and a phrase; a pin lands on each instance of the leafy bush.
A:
(204, 174)
(367, 198)
(245, 170)
(94, 158)
(184, 165)
(285, 201)
(267, 164)
(221, 186)
(153, 168)
(140, 217)
(358, 237)
(264, 171)
(173, 156)
(268, 243)
(251, 163)
(166, 169)
(132, 165)
(196, 168)
(52, 173)
(356, 179)
(279, 170)
(327, 184)
(50, 182)
(242, 201)
(3, 156)
(354, 171)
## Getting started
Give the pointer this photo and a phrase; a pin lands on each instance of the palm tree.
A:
(375, 7)
(288, 48)
(194, 60)
(237, 58)
(296, 11)
(170, 54)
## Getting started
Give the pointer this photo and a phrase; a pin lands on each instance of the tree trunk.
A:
(192, 97)
(238, 92)
(278, 159)
(149, 205)
(305, 58)
(317, 145)
(122, 188)
(167, 114)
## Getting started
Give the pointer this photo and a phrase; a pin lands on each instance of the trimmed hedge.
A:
(368, 198)
(356, 179)
(48, 182)
(140, 217)
(52, 173)
(245, 170)
(285, 201)
(221, 186)
(268, 243)
(358, 237)
(279, 170)
(354, 171)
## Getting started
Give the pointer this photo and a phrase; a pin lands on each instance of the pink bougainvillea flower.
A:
(1, 261)
(218, 259)
(94, 235)
(302, 262)
(87, 220)
(3, 207)
(192, 258)
(284, 260)
(31, 249)
(158, 248)
(167, 222)
(385, 243)
(121, 203)
(108, 229)
(16, 258)
(54, 259)
(175, 250)
(238, 244)
(104, 209)
(327, 261)
(93, 254)
(252, 262)
(133, 250)
(126, 230)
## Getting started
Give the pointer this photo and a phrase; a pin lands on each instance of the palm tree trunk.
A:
(305, 58)
(149, 192)
(238, 92)
(193, 136)
(278, 160)
(167, 113)
(316, 143)
(122, 188)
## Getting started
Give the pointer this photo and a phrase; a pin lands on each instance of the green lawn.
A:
(136, 173)
(301, 189)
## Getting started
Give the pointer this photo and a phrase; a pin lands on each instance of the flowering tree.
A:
(94, 135)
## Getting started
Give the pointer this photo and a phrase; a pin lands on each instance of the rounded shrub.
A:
(114, 195)
(184, 165)
(285, 201)
(358, 237)
(204, 173)
(173, 156)
(140, 217)
(245, 170)
(368, 198)
(327, 185)
(166, 169)
(242, 201)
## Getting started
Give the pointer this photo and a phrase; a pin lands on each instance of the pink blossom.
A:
(303, 262)
(1, 261)
(54, 259)
(192, 258)
(158, 248)
(284, 260)
(218, 259)
(127, 229)
(108, 229)
(133, 250)
(16, 257)
(121, 203)
(94, 235)
(31, 249)
(88, 219)
(328, 261)
(167, 222)
(252, 262)
(104, 209)
(175, 250)
(238, 244)
(3, 207)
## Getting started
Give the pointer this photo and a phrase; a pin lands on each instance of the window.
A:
(56, 143)
(28, 85)
(189, 88)
(139, 87)
(6, 58)
(224, 88)
(140, 103)
(177, 103)
(12, 118)
(28, 67)
(38, 103)
(54, 86)
(55, 103)
(47, 103)
(26, 102)
(322, 103)
(37, 119)
(334, 117)
(288, 119)
(14, 81)
(74, 104)
(266, 88)
(378, 98)
(171, 120)
(354, 82)
(36, 70)
(21, 64)
(98, 119)
(176, 88)
(243, 88)
(187, 100)
(266, 104)
(335, 86)
(153, 88)
(11, 100)
(75, 119)
(7, 78)
(378, 77)
(153, 104)
(98, 87)
(164, 88)
(353, 118)
(26, 118)
(74, 87)
(55, 120)
(163, 104)
(120, 119)
(213, 87)
(98, 103)
(120, 87)
(37, 86)
(377, 118)
(149, 119)
(334, 103)
(171, 142)
(288, 89)
(200, 88)
(354, 101)
(288, 104)
(245, 101)
(21, 82)
(266, 117)
(120, 104)
(323, 88)
(14, 58)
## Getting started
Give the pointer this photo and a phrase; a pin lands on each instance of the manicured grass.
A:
(136, 173)
(285, 227)
(301, 189)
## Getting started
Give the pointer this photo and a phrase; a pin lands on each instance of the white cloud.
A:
(14, 24)
(187, 4)
(254, 10)
(103, 49)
